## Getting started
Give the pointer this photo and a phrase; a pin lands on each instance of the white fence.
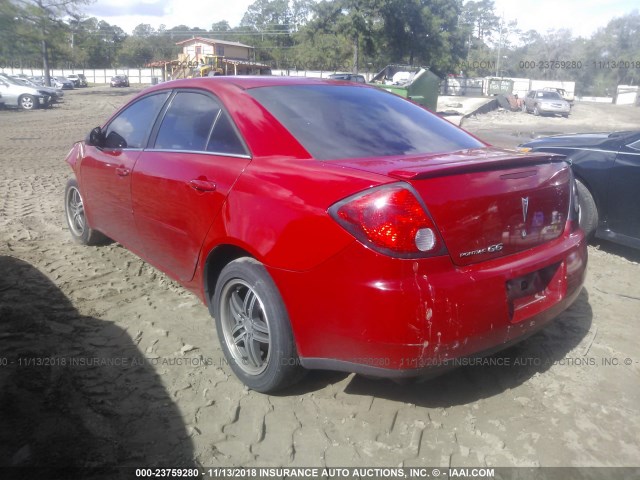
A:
(97, 76)
(627, 95)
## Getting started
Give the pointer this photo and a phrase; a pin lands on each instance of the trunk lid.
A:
(487, 203)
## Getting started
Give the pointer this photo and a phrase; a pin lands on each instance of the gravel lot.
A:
(105, 361)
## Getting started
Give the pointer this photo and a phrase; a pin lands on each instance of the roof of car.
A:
(246, 82)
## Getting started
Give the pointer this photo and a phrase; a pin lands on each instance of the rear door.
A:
(624, 192)
(106, 172)
(181, 182)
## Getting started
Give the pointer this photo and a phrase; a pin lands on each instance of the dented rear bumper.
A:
(400, 318)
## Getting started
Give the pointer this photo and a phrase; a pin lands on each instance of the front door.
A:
(106, 172)
(624, 192)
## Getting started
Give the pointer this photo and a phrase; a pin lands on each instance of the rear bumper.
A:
(366, 313)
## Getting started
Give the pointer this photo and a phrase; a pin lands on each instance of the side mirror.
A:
(96, 138)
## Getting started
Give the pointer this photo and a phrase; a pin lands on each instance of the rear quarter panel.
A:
(277, 211)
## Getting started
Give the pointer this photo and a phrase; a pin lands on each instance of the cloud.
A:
(582, 17)
(121, 9)
(127, 15)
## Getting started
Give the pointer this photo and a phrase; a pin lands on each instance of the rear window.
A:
(338, 122)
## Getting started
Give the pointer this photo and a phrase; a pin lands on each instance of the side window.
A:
(131, 128)
(224, 138)
(196, 122)
(187, 123)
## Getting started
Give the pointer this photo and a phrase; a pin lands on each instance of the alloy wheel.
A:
(75, 212)
(245, 327)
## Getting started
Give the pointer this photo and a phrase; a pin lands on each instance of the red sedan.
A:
(330, 225)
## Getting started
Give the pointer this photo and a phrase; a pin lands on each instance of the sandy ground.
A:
(105, 361)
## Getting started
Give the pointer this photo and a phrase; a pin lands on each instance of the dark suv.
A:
(120, 81)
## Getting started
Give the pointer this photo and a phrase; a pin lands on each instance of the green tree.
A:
(481, 18)
(267, 26)
(424, 32)
(94, 43)
(43, 21)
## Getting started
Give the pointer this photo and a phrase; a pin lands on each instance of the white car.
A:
(79, 80)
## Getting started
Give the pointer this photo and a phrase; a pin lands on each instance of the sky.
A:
(583, 17)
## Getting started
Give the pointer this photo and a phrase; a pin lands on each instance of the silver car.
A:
(55, 93)
(542, 102)
(22, 96)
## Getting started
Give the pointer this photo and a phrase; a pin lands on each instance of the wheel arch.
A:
(587, 184)
(217, 259)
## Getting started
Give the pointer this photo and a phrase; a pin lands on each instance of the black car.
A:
(349, 77)
(120, 81)
(607, 171)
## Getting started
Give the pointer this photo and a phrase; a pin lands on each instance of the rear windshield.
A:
(338, 122)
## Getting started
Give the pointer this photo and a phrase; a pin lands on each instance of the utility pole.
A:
(499, 44)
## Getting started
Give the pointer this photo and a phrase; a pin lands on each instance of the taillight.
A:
(391, 220)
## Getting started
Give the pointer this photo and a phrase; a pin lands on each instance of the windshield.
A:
(338, 122)
(10, 80)
(24, 81)
(550, 95)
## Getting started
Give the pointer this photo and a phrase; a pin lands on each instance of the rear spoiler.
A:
(476, 165)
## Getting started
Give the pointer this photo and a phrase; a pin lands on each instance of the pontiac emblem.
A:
(525, 209)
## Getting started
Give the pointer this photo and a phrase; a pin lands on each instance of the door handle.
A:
(122, 171)
(202, 185)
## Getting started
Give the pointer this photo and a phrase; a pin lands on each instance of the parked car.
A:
(562, 92)
(79, 80)
(542, 102)
(37, 80)
(349, 77)
(120, 81)
(330, 225)
(607, 170)
(22, 96)
(62, 82)
(56, 94)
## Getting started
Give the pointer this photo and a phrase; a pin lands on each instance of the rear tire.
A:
(588, 215)
(253, 327)
(79, 228)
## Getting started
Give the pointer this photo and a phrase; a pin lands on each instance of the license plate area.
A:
(534, 292)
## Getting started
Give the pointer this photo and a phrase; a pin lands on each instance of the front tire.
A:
(27, 102)
(253, 327)
(76, 218)
(588, 216)
(536, 110)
